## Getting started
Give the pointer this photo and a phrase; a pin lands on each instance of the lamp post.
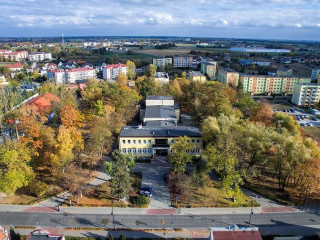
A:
(16, 123)
(251, 213)
(112, 213)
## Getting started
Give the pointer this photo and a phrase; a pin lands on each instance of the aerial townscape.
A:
(167, 126)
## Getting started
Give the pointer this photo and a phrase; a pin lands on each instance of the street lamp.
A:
(16, 123)
(114, 228)
(251, 213)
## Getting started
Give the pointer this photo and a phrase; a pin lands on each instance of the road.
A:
(284, 223)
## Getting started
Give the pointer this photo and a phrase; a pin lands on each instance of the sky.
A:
(257, 19)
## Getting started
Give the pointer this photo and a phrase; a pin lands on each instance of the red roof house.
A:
(43, 102)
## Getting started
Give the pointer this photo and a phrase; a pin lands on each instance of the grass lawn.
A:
(211, 195)
(101, 197)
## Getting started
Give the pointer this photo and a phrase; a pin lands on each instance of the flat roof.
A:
(159, 98)
(145, 131)
(160, 112)
(195, 73)
(161, 123)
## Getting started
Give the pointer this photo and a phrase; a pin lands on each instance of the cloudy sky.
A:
(263, 19)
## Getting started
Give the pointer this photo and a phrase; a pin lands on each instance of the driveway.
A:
(152, 175)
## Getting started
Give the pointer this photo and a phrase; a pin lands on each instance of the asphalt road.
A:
(284, 223)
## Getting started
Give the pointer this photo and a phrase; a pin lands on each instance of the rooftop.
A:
(195, 73)
(159, 98)
(145, 131)
(161, 123)
(161, 75)
(79, 70)
(227, 70)
(160, 112)
(44, 235)
(115, 65)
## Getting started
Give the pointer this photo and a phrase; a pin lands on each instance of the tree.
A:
(264, 114)
(180, 154)
(131, 69)
(283, 120)
(15, 166)
(121, 80)
(69, 116)
(120, 182)
(151, 70)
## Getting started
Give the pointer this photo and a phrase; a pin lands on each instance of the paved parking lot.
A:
(152, 175)
(305, 118)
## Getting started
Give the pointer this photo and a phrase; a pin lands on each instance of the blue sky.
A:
(262, 19)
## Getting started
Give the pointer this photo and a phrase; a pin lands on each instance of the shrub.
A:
(37, 188)
(141, 200)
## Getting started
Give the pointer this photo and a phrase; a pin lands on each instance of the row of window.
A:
(150, 141)
(149, 150)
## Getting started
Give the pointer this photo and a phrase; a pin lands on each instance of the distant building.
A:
(306, 94)
(284, 72)
(80, 74)
(43, 234)
(228, 77)
(13, 56)
(161, 77)
(195, 76)
(111, 72)
(262, 84)
(162, 62)
(15, 66)
(315, 74)
(235, 233)
(182, 62)
(57, 75)
(259, 50)
(27, 87)
(39, 57)
(43, 102)
(209, 67)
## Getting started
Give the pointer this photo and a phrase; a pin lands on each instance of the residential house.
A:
(43, 102)
(15, 66)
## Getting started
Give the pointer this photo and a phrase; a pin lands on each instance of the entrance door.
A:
(162, 152)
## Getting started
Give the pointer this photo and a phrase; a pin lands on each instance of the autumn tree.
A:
(131, 69)
(180, 155)
(151, 70)
(264, 114)
(15, 166)
(120, 182)
(121, 80)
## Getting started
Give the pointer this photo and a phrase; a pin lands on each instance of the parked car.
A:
(146, 193)
(302, 124)
(309, 124)
(314, 119)
(147, 189)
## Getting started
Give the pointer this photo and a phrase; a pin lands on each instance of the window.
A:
(139, 150)
(192, 150)
(149, 150)
(197, 150)
(193, 140)
(198, 141)
(149, 142)
(171, 150)
(144, 150)
(124, 150)
(144, 141)
(129, 141)
(133, 150)
(172, 141)
(134, 141)
(139, 141)
(129, 150)
(124, 141)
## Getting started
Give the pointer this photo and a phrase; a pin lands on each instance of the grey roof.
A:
(159, 98)
(177, 131)
(43, 237)
(160, 112)
(160, 123)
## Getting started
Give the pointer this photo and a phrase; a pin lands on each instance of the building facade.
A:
(13, 56)
(209, 68)
(162, 62)
(315, 74)
(57, 75)
(306, 94)
(39, 57)
(111, 72)
(195, 76)
(161, 77)
(228, 77)
(80, 74)
(261, 84)
(183, 62)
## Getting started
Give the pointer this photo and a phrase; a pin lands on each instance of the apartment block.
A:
(228, 77)
(209, 68)
(315, 74)
(183, 62)
(13, 56)
(306, 94)
(111, 72)
(39, 57)
(261, 84)
(70, 76)
(161, 62)
(195, 76)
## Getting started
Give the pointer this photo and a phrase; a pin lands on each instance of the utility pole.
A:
(62, 41)
(251, 213)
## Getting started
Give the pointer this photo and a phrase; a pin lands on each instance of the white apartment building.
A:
(80, 74)
(315, 74)
(306, 94)
(57, 75)
(161, 77)
(161, 62)
(111, 72)
(39, 57)
(70, 76)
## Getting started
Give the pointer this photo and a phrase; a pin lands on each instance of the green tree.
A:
(15, 168)
(120, 182)
(151, 70)
(131, 69)
(283, 120)
(180, 154)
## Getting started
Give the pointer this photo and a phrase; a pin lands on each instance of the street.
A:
(284, 223)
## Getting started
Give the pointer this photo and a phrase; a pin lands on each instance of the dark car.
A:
(146, 189)
(166, 177)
